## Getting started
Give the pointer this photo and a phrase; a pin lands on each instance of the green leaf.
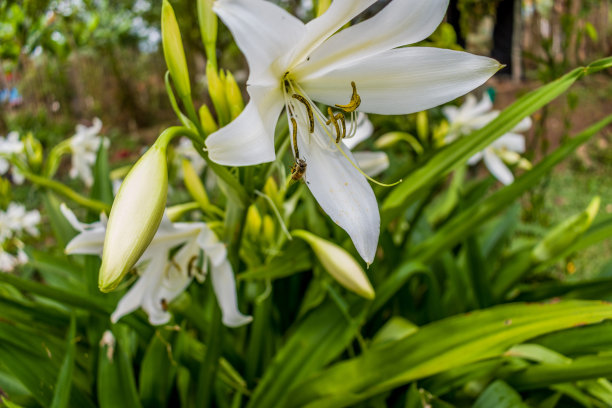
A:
(499, 395)
(62, 229)
(472, 217)
(441, 346)
(61, 397)
(543, 375)
(116, 386)
(102, 188)
(313, 343)
(156, 372)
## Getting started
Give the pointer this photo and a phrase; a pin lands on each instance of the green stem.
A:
(208, 369)
(67, 192)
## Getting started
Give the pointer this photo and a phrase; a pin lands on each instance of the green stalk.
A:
(67, 192)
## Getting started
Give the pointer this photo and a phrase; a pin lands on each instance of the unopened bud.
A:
(269, 229)
(194, 184)
(174, 52)
(216, 90)
(206, 119)
(422, 125)
(208, 28)
(135, 216)
(34, 151)
(566, 233)
(339, 264)
(253, 222)
(234, 96)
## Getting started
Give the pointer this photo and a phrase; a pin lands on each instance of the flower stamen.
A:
(353, 103)
(334, 119)
(308, 109)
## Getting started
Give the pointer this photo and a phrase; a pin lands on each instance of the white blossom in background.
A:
(293, 64)
(508, 148)
(16, 222)
(162, 279)
(185, 149)
(372, 163)
(11, 146)
(84, 146)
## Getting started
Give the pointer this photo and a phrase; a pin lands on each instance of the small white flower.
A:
(11, 145)
(15, 220)
(163, 279)
(472, 116)
(84, 146)
(8, 262)
(293, 64)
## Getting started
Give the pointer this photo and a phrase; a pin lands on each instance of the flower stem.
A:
(67, 192)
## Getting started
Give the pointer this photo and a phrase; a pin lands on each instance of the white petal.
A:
(71, 218)
(344, 194)
(482, 120)
(249, 139)
(88, 242)
(318, 30)
(497, 167)
(399, 23)
(512, 142)
(142, 291)
(475, 159)
(484, 106)
(224, 286)
(372, 163)
(404, 80)
(365, 128)
(263, 32)
(523, 126)
(212, 247)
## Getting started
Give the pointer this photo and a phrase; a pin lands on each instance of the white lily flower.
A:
(163, 279)
(472, 116)
(12, 145)
(292, 63)
(84, 146)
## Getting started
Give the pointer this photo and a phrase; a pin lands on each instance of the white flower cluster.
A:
(473, 115)
(14, 223)
(11, 146)
(84, 146)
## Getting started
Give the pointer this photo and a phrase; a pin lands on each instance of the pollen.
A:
(353, 103)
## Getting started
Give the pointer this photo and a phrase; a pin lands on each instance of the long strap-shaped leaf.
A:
(459, 152)
(440, 346)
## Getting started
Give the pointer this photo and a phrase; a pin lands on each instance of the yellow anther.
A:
(334, 119)
(308, 108)
(295, 145)
(353, 103)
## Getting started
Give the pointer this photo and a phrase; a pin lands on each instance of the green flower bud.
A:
(34, 151)
(135, 216)
(565, 234)
(253, 222)
(194, 184)
(173, 51)
(206, 119)
(216, 90)
(234, 96)
(208, 29)
(269, 229)
(422, 125)
(339, 264)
